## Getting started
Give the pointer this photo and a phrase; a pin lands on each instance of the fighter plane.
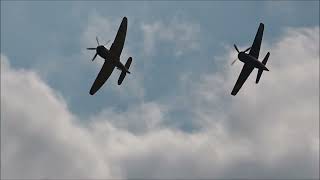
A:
(111, 58)
(251, 61)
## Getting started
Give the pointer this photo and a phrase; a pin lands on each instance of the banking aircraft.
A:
(251, 61)
(111, 58)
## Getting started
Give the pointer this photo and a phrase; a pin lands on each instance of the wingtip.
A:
(91, 92)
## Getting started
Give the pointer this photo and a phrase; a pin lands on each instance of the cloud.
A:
(280, 115)
(139, 119)
(39, 136)
(269, 130)
(182, 35)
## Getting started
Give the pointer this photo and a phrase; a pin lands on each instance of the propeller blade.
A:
(236, 48)
(94, 56)
(233, 61)
(97, 40)
(107, 42)
(247, 49)
(91, 48)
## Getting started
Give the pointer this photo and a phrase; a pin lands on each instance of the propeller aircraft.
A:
(251, 61)
(111, 58)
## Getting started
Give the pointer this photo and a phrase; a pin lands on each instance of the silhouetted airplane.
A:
(251, 61)
(112, 58)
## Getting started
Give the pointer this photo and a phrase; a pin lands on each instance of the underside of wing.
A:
(245, 72)
(117, 45)
(255, 48)
(103, 75)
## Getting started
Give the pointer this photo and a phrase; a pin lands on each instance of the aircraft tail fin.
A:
(264, 62)
(124, 73)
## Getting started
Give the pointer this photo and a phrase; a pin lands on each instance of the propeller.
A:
(247, 49)
(234, 61)
(235, 46)
(96, 48)
(97, 40)
(94, 56)
(98, 44)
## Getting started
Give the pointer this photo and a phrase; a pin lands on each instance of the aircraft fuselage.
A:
(104, 53)
(248, 59)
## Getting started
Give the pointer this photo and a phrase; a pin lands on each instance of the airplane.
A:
(111, 58)
(251, 61)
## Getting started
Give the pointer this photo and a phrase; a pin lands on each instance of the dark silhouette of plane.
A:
(112, 58)
(251, 61)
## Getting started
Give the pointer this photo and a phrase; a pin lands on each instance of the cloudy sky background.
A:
(173, 117)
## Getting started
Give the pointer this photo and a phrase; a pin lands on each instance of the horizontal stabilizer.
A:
(264, 62)
(259, 75)
(128, 63)
(124, 73)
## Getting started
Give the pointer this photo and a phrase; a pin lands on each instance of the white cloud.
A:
(280, 115)
(39, 136)
(138, 119)
(183, 35)
(269, 130)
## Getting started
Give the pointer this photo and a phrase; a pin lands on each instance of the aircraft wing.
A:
(255, 48)
(103, 75)
(117, 45)
(245, 72)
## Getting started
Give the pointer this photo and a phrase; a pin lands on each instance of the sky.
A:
(173, 117)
